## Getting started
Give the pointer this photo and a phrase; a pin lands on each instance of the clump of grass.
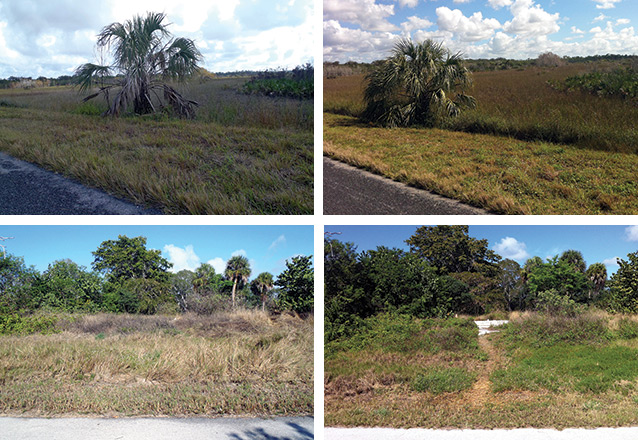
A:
(445, 380)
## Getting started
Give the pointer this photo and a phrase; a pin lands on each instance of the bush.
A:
(553, 303)
(444, 381)
(16, 324)
(627, 328)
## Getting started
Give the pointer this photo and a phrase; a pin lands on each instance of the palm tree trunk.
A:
(233, 293)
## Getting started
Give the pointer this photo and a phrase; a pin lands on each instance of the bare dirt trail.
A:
(480, 392)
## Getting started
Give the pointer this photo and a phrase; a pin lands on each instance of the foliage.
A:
(553, 303)
(17, 324)
(621, 82)
(263, 285)
(238, 271)
(417, 84)
(450, 249)
(512, 283)
(560, 275)
(143, 62)
(298, 83)
(549, 59)
(623, 293)
(297, 285)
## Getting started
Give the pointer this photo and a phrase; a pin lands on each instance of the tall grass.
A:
(522, 104)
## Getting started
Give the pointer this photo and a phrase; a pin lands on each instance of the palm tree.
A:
(238, 271)
(264, 284)
(597, 274)
(417, 84)
(575, 259)
(144, 55)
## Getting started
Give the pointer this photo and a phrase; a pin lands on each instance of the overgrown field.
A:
(540, 371)
(244, 363)
(541, 150)
(241, 155)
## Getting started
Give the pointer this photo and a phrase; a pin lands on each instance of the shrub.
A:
(627, 328)
(553, 303)
(16, 324)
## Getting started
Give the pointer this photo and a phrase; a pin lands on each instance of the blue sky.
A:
(597, 243)
(365, 30)
(51, 38)
(266, 247)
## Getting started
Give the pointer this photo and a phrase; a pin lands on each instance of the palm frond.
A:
(87, 73)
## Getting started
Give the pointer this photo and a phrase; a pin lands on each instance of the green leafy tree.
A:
(263, 285)
(16, 281)
(560, 277)
(135, 275)
(450, 249)
(512, 284)
(68, 286)
(623, 286)
(575, 259)
(296, 285)
(145, 57)
(417, 84)
(182, 287)
(238, 271)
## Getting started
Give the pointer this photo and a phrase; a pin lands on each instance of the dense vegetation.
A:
(620, 82)
(447, 272)
(297, 83)
(128, 277)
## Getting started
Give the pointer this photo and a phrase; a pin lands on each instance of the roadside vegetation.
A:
(187, 142)
(397, 356)
(131, 338)
(529, 130)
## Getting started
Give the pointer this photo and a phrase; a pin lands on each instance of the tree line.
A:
(447, 272)
(128, 277)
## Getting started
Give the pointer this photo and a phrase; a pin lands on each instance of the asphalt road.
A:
(281, 428)
(26, 189)
(479, 434)
(350, 191)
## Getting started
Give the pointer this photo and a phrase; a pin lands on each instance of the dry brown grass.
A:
(255, 366)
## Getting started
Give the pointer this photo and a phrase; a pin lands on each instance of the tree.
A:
(511, 283)
(575, 259)
(144, 55)
(68, 286)
(417, 84)
(623, 286)
(549, 59)
(451, 250)
(182, 286)
(263, 284)
(238, 271)
(296, 284)
(559, 276)
(597, 275)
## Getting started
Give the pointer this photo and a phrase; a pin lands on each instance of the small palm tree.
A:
(264, 284)
(238, 271)
(145, 56)
(417, 84)
(597, 274)
(575, 259)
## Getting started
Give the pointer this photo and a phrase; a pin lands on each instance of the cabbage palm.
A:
(238, 271)
(597, 274)
(144, 57)
(264, 284)
(417, 84)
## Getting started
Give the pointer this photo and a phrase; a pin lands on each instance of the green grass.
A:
(500, 174)
(447, 380)
(241, 155)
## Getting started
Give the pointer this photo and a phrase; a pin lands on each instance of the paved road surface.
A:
(473, 434)
(282, 428)
(28, 189)
(350, 191)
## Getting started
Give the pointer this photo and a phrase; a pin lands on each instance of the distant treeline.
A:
(128, 277)
(447, 272)
(336, 69)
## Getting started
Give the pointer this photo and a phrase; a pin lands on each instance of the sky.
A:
(598, 244)
(366, 30)
(52, 38)
(187, 247)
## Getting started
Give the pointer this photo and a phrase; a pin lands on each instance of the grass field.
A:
(541, 371)
(241, 155)
(244, 363)
(527, 148)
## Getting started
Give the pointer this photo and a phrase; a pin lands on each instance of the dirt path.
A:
(481, 390)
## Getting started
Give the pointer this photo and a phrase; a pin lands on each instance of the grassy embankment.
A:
(241, 155)
(539, 151)
(244, 363)
(541, 371)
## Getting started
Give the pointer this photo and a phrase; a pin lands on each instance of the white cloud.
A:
(595, 30)
(631, 233)
(497, 4)
(408, 3)
(511, 248)
(414, 23)
(219, 264)
(279, 241)
(606, 4)
(365, 13)
(185, 258)
(462, 1)
(340, 43)
(473, 28)
(531, 20)
(611, 261)
(623, 21)
(575, 30)
(601, 17)
(239, 252)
